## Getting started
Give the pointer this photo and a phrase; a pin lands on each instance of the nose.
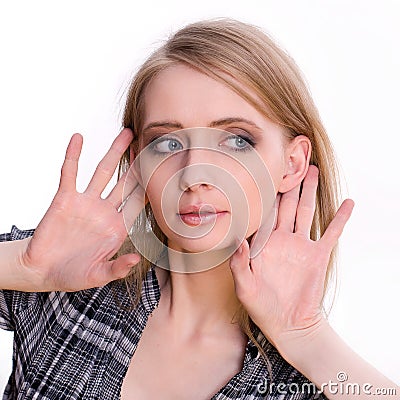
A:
(197, 172)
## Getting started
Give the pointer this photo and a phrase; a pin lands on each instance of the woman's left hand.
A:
(282, 286)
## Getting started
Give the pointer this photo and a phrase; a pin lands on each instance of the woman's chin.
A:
(202, 245)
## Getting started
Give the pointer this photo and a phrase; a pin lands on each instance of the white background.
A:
(65, 67)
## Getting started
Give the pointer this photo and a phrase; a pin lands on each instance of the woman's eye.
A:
(239, 143)
(166, 145)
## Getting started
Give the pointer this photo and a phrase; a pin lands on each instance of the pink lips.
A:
(197, 208)
(196, 214)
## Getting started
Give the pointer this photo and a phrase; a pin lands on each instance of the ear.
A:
(297, 160)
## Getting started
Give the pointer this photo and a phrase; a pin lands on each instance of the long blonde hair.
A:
(226, 47)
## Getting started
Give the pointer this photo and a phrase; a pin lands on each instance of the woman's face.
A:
(202, 183)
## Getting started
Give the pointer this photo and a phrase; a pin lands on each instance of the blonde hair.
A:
(223, 48)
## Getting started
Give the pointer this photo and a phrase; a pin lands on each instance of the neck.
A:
(201, 302)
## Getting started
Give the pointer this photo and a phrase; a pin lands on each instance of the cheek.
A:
(253, 198)
(154, 194)
(162, 204)
(275, 166)
(155, 203)
(259, 190)
(254, 203)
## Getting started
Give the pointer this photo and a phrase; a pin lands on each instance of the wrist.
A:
(321, 355)
(30, 279)
(299, 347)
(16, 274)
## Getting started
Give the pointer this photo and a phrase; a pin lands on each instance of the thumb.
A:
(240, 267)
(121, 266)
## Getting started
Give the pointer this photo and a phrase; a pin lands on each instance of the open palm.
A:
(282, 287)
(80, 232)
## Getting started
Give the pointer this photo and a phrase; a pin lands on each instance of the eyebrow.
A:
(214, 124)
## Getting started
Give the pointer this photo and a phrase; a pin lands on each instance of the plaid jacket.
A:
(78, 345)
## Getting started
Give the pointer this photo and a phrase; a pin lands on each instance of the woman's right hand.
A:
(80, 232)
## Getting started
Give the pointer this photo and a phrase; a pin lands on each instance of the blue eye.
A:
(240, 143)
(165, 145)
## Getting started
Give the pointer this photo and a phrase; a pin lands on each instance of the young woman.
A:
(232, 174)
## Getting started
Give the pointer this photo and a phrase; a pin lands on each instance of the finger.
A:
(106, 167)
(133, 205)
(306, 208)
(69, 169)
(123, 264)
(276, 205)
(336, 226)
(116, 269)
(287, 209)
(241, 272)
(124, 187)
(260, 238)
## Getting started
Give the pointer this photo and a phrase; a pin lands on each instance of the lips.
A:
(200, 209)
(199, 214)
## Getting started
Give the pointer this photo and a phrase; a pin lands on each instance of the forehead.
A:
(194, 99)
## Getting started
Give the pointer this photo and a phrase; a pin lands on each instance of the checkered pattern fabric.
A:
(78, 345)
